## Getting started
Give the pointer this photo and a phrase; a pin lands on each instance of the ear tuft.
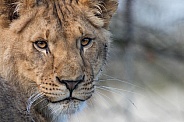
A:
(108, 8)
(100, 11)
(8, 11)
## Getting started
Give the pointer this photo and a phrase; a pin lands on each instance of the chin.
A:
(62, 110)
(67, 107)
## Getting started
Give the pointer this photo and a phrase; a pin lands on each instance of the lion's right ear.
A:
(11, 9)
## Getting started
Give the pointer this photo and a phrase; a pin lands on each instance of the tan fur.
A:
(32, 73)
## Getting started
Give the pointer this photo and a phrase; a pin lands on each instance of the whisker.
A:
(54, 111)
(118, 93)
(118, 90)
(102, 97)
(40, 101)
(32, 99)
(111, 78)
(102, 80)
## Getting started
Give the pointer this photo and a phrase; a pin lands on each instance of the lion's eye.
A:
(42, 44)
(86, 42)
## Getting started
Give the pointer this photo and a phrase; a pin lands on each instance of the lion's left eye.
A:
(86, 41)
(42, 44)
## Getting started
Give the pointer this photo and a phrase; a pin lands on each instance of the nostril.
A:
(58, 79)
(80, 78)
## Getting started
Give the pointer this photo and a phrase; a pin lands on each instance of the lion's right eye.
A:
(42, 44)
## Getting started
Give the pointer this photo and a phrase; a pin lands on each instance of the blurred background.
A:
(144, 76)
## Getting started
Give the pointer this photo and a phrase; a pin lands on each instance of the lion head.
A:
(54, 49)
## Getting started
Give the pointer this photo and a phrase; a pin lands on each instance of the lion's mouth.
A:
(68, 99)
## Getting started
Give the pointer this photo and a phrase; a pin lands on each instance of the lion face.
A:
(61, 47)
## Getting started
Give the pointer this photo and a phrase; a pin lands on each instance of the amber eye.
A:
(42, 44)
(86, 42)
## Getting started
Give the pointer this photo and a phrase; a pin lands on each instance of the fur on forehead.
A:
(98, 12)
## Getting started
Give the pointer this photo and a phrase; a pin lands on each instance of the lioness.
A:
(51, 52)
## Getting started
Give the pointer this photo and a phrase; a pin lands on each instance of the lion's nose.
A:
(70, 84)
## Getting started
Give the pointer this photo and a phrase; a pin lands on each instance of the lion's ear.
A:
(110, 6)
(100, 11)
(8, 11)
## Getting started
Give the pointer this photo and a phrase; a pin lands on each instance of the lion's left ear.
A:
(109, 10)
(100, 11)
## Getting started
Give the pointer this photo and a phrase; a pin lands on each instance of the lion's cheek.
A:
(27, 71)
(97, 60)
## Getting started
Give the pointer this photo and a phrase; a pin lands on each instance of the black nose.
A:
(70, 84)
